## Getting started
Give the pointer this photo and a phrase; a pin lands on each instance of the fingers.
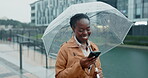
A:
(91, 58)
(86, 62)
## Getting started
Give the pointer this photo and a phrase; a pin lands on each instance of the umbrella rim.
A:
(66, 16)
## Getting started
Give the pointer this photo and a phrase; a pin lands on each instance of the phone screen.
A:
(92, 53)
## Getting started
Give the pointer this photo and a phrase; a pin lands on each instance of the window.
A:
(141, 9)
(145, 9)
(33, 8)
(32, 21)
(122, 6)
(32, 14)
(138, 8)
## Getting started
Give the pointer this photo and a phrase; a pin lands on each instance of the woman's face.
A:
(82, 30)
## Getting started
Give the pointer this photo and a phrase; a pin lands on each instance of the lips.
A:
(85, 37)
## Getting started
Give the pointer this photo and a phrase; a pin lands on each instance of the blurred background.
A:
(26, 21)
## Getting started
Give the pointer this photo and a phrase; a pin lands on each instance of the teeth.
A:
(85, 37)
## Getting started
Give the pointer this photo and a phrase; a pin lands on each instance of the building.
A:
(135, 10)
(44, 11)
(138, 10)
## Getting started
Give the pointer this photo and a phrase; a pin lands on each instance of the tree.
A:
(13, 22)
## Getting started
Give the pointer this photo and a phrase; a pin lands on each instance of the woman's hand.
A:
(86, 62)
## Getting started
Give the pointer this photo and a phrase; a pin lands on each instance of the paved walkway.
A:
(33, 63)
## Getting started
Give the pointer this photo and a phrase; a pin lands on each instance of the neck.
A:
(83, 43)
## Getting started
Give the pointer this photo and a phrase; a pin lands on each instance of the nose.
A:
(85, 32)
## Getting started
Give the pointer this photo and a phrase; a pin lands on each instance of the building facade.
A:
(44, 11)
(135, 10)
(138, 10)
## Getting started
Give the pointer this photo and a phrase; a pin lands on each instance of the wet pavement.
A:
(33, 63)
(9, 70)
(122, 62)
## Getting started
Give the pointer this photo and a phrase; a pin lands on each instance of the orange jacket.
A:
(68, 61)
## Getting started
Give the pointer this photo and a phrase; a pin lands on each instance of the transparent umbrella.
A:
(109, 26)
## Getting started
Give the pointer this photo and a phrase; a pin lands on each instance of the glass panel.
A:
(123, 6)
(145, 10)
(145, 1)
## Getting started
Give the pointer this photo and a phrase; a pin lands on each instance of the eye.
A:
(81, 30)
(88, 29)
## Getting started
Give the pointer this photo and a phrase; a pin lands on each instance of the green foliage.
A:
(39, 36)
(12, 22)
(136, 43)
(136, 40)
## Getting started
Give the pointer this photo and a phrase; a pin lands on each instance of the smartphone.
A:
(94, 53)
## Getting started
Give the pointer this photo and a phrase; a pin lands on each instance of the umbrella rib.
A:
(52, 42)
(55, 36)
(116, 35)
(93, 15)
(98, 13)
(110, 49)
(65, 27)
(127, 32)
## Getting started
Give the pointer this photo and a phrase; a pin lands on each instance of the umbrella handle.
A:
(96, 69)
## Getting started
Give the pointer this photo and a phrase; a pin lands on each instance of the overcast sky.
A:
(16, 9)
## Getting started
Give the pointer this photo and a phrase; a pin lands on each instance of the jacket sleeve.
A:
(62, 71)
(98, 64)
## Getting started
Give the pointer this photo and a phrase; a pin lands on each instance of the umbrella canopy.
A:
(109, 26)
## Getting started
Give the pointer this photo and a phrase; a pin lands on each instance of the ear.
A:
(73, 28)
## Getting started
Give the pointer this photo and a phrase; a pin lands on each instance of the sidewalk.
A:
(33, 63)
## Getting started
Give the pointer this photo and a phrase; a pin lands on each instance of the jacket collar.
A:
(79, 44)
(72, 43)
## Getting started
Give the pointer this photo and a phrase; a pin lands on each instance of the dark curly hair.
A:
(77, 17)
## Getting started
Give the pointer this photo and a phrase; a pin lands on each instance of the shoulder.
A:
(63, 51)
(64, 45)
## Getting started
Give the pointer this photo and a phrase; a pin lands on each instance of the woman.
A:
(72, 60)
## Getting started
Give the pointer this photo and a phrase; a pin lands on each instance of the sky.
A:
(16, 9)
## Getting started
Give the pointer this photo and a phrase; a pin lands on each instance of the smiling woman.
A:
(81, 28)
(72, 60)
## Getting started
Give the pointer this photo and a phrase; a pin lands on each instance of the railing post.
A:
(21, 56)
(46, 60)
(1, 35)
(20, 44)
(17, 38)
